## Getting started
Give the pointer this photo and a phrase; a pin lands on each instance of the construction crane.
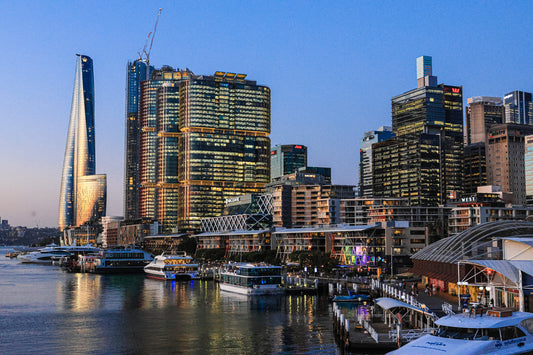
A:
(145, 55)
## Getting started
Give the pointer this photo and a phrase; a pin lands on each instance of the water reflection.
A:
(58, 312)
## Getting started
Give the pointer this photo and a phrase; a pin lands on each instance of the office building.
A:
(518, 107)
(224, 144)
(423, 162)
(528, 167)
(287, 159)
(365, 157)
(475, 167)
(482, 113)
(81, 200)
(505, 159)
(137, 72)
(318, 170)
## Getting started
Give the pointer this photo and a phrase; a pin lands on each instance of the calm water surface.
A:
(44, 310)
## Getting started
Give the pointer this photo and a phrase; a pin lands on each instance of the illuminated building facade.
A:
(423, 162)
(287, 159)
(202, 139)
(528, 164)
(224, 142)
(365, 157)
(475, 167)
(137, 72)
(91, 198)
(158, 146)
(518, 107)
(77, 202)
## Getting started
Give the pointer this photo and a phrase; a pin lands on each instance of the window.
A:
(511, 333)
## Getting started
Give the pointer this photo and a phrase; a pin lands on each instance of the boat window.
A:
(528, 324)
(511, 333)
(467, 333)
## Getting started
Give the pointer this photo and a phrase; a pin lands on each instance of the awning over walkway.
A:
(504, 267)
(387, 303)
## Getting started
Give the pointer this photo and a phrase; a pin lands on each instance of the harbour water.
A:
(46, 310)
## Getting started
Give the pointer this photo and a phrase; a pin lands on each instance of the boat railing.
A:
(409, 334)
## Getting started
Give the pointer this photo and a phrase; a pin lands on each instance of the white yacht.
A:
(52, 253)
(252, 279)
(172, 267)
(497, 332)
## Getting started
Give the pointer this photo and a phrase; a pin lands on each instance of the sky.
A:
(332, 67)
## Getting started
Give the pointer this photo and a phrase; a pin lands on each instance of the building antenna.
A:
(145, 55)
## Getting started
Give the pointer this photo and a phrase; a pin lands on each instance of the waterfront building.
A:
(157, 244)
(471, 214)
(224, 123)
(505, 159)
(491, 261)
(303, 199)
(203, 139)
(137, 72)
(111, 230)
(365, 158)
(518, 107)
(134, 231)
(423, 162)
(367, 211)
(81, 196)
(528, 167)
(287, 159)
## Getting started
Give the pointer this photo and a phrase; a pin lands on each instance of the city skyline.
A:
(332, 68)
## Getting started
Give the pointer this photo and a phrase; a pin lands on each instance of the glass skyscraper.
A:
(203, 139)
(137, 72)
(287, 159)
(518, 107)
(79, 160)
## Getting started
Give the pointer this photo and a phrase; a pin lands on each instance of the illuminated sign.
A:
(233, 199)
(273, 152)
(456, 90)
(297, 147)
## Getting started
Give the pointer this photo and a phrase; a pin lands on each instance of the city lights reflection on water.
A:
(58, 312)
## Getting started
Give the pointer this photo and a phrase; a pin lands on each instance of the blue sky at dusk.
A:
(332, 66)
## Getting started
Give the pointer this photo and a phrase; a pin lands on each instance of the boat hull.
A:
(253, 291)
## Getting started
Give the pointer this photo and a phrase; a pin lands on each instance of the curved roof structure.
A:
(482, 241)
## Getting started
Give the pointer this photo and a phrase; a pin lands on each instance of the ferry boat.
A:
(500, 331)
(120, 260)
(52, 253)
(252, 279)
(172, 267)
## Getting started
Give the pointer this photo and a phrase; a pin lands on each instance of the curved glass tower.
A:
(79, 158)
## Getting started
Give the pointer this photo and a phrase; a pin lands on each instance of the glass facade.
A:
(287, 159)
(203, 139)
(428, 119)
(224, 143)
(91, 197)
(518, 107)
(137, 72)
(365, 157)
(528, 162)
(79, 159)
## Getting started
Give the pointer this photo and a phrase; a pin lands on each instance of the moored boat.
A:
(172, 266)
(119, 260)
(497, 332)
(252, 279)
(49, 254)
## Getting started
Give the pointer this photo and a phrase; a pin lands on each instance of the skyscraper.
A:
(79, 160)
(528, 165)
(482, 113)
(428, 144)
(137, 72)
(518, 107)
(203, 139)
(365, 157)
(287, 159)
(224, 144)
